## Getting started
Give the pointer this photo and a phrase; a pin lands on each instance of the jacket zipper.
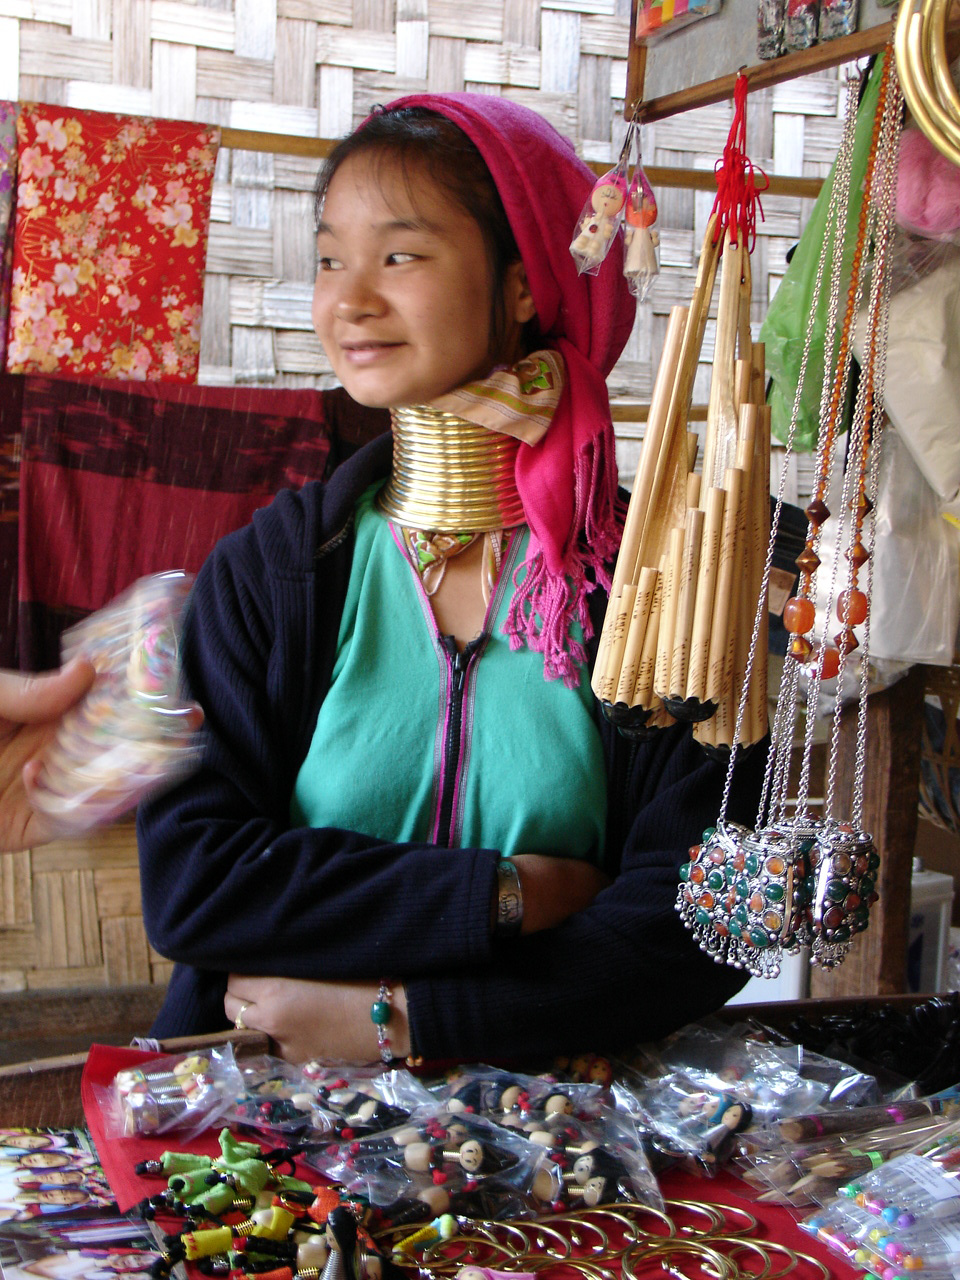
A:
(458, 666)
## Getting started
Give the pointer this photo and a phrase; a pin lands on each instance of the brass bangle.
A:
(724, 1268)
(921, 60)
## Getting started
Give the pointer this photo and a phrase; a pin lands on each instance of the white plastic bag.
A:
(915, 593)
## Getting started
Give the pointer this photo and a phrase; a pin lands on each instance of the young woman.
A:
(410, 807)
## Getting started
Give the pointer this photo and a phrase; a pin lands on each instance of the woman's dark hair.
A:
(419, 140)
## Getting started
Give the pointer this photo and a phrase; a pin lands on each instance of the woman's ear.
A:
(519, 300)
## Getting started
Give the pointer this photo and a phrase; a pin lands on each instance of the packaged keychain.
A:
(641, 264)
(600, 220)
(133, 732)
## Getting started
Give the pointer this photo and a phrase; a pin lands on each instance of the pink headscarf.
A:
(568, 481)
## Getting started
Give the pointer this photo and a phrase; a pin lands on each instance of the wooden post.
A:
(876, 963)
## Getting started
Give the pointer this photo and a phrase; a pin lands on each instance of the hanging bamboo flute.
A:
(639, 621)
(605, 673)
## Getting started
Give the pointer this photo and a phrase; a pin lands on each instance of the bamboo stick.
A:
(651, 465)
(744, 337)
(720, 636)
(643, 489)
(757, 711)
(683, 629)
(721, 434)
(668, 613)
(706, 589)
(639, 621)
(618, 640)
(643, 695)
(758, 365)
(750, 559)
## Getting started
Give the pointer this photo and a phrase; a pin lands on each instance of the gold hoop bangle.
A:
(711, 1211)
(724, 1268)
(749, 1223)
(574, 1223)
(630, 1214)
(921, 61)
(732, 1245)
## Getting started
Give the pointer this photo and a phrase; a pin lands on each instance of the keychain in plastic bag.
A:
(601, 216)
(641, 263)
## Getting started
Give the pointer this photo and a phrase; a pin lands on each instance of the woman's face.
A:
(24, 1141)
(403, 297)
(44, 1160)
(56, 1178)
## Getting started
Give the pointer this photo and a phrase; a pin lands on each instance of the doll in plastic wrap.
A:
(641, 263)
(592, 243)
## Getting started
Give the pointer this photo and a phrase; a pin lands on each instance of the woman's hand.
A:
(326, 1021)
(555, 888)
(31, 708)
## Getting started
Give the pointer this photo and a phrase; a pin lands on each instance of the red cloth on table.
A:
(119, 1156)
(110, 244)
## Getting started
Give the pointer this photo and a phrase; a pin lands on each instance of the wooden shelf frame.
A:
(762, 75)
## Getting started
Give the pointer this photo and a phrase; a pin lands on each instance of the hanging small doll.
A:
(599, 222)
(642, 260)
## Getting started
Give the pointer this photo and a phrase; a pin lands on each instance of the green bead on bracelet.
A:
(381, 1011)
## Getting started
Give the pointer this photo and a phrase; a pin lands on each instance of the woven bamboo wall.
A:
(69, 914)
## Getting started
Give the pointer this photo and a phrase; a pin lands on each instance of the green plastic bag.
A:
(784, 329)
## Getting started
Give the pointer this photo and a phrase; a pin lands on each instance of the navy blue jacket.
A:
(228, 885)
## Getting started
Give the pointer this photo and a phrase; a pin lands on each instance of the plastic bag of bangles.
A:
(133, 732)
(182, 1092)
(442, 1163)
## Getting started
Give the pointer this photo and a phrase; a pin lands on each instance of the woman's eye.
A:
(398, 259)
(328, 264)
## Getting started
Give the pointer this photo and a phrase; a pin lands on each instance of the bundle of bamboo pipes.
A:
(680, 617)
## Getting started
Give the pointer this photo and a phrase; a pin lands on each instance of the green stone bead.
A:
(837, 889)
(743, 888)
(867, 886)
(734, 927)
(380, 1012)
(685, 872)
(806, 845)
(759, 938)
(840, 934)
(708, 832)
(774, 893)
(751, 864)
(716, 880)
(702, 916)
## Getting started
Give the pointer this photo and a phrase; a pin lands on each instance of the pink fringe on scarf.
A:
(545, 605)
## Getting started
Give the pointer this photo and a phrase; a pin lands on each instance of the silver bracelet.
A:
(509, 899)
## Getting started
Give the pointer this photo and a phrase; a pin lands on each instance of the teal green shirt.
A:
(409, 748)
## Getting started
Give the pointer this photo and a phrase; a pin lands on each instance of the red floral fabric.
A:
(111, 230)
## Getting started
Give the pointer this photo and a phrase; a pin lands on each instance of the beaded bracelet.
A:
(381, 1011)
